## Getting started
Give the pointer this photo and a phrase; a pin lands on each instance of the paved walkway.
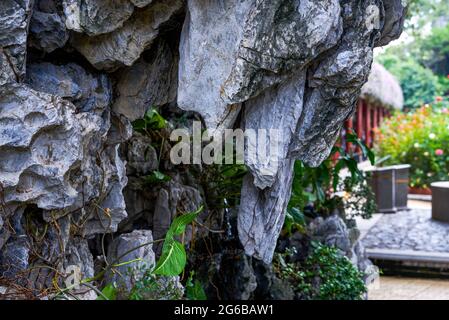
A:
(407, 230)
(396, 288)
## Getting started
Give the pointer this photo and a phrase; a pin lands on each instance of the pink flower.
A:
(439, 99)
(439, 152)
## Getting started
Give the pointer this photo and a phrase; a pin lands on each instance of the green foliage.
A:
(435, 52)
(318, 186)
(424, 12)
(419, 84)
(338, 278)
(151, 121)
(109, 292)
(194, 289)
(224, 184)
(324, 275)
(173, 259)
(421, 139)
(154, 287)
(155, 177)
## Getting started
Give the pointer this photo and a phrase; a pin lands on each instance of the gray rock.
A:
(96, 17)
(332, 231)
(163, 215)
(105, 180)
(142, 157)
(269, 286)
(126, 276)
(14, 22)
(262, 213)
(124, 45)
(59, 159)
(15, 253)
(207, 57)
(141, 3)
(334, 82)
(175, 198)
(41, 143)
(148, 83)
(48, 31)
(280, 38)
(395, 14)
(90, 93)
(287, 101)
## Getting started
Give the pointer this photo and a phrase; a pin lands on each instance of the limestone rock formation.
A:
(121, 251)
(150, 82)
(296, 66)
(124, 45)
(48, 31)
(96, 17)
(14, 22)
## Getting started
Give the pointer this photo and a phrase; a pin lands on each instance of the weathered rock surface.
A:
(262, 213)
(150, 82)
(296, 66)
(48, 31)
(14, 22)
(124, 45)
(207, 57)
(333, 86)
(61, 160)
(96, 17)
(89, 92)
(121, 251)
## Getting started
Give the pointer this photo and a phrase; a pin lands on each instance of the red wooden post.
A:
(381, 115)
(359, 129)
(375, 120)
(349, 125)
(368, 126)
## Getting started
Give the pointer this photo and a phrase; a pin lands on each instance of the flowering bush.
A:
(419, 138)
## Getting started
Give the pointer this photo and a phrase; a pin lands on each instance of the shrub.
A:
(324, 275)
(321, 190)
(419, 138)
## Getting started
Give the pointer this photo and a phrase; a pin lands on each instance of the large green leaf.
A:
(172, 260)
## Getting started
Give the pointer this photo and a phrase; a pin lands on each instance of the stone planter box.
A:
(390, 185)
(440, 201)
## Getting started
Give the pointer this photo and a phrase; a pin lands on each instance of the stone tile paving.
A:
(409, 230)
(396, 288)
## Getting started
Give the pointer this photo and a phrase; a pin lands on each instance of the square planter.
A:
(390, 185)
(440, 201)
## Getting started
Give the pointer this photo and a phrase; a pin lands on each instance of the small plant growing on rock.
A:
(325, 274)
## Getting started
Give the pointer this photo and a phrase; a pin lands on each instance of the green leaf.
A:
(194, 289)
(297, 216)
(179, 224)
(154, 120)
(173, 259)
(109, 292)
(156, 176)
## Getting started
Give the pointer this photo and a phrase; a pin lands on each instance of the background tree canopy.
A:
(422, 65)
